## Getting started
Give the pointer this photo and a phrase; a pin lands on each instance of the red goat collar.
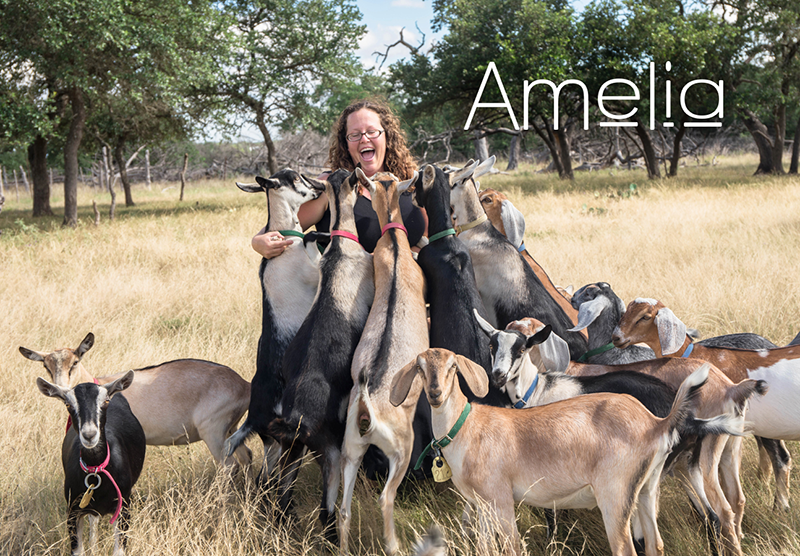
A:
(94, 470)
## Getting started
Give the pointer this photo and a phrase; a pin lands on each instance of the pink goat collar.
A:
(348, 235)
(391, 225)
(102, 469)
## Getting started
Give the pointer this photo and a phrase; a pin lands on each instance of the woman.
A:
(366, 133)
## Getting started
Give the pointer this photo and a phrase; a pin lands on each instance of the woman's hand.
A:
(269, 244)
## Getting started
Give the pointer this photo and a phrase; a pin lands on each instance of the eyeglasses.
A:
(371, 134)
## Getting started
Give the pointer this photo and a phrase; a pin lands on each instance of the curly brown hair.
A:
(398, 161)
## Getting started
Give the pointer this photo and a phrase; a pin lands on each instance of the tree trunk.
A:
(648, 150)
(37, 158)
(262, 126)
(676, 149)
(183, 173)
(119, 158)
(562, 141)
(795, 149)
(759, 132)
(481, 146)
(71, 148)
(551, 146)
(780, 136)
(513, 152)
(147, 168)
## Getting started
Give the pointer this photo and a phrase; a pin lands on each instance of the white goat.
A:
(600, 450)
(177, 402)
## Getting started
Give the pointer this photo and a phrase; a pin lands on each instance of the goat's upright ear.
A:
(32, 355)
(671, 331)
(404, 185)
(120, 384)
(51, 390)
(589, 311)
(487, 328)
(86, 345)
(314, 183)
(401, 384)
(474, 374)
(484, 167)
(364, 180)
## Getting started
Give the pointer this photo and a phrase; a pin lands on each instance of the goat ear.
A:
(513, 222)
(589, 311)
(401, 384)
(462, 175)
(428, 176)
(364, 180)
(404, 185)
(671, 331)
(315, 183)
(120, 384)
(553, 353)
(267, 183)
(50, 390)
(249, 187)
(32, 355)
(484, 167)
(474, 374)
(539, 336)
(86, 345)
(487, 328)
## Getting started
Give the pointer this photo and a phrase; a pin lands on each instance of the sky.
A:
(384, 20)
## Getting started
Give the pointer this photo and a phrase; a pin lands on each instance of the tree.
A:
(84, 50)
(280, 51)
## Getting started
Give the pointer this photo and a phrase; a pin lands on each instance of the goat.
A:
(316, 365)
(106, 439)
(539, 379)
(510, 222)
(509, 288)
(795, 341)
(176, 402)
(774, 416)
(288, 286)
(596, 450)
(395, 332)
(452, 291)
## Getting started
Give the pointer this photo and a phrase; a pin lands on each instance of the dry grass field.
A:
(167, 280)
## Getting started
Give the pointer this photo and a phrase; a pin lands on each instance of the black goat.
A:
(288, 287)
(102, 454)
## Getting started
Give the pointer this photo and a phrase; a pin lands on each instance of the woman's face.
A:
(371, 153)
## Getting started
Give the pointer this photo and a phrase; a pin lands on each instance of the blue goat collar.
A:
(688, 351)
(524, 401)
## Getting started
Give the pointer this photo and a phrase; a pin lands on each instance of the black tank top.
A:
(368, 226)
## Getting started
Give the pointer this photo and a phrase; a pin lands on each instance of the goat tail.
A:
(681, 410)
(746, 389)
(365, 412)
(237, 439)
(431, 544)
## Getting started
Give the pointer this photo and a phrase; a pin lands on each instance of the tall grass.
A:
(166, 280)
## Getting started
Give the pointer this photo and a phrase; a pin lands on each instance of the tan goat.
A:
(775, 415)
(395, 332)
(712, 482)
(603, 450)
(177, 402)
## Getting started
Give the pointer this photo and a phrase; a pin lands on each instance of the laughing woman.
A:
(367, 132)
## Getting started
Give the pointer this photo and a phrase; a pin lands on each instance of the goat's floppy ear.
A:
(474, 374)
(671, 331)
(51, 390)
(487, 328)
(120, 384)
(589, 311)
(404, 185)
(32, 355)
(513, 223)
(484, 167)
(401, 384)
(86, 345)
(553, 354)
(313, 182)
